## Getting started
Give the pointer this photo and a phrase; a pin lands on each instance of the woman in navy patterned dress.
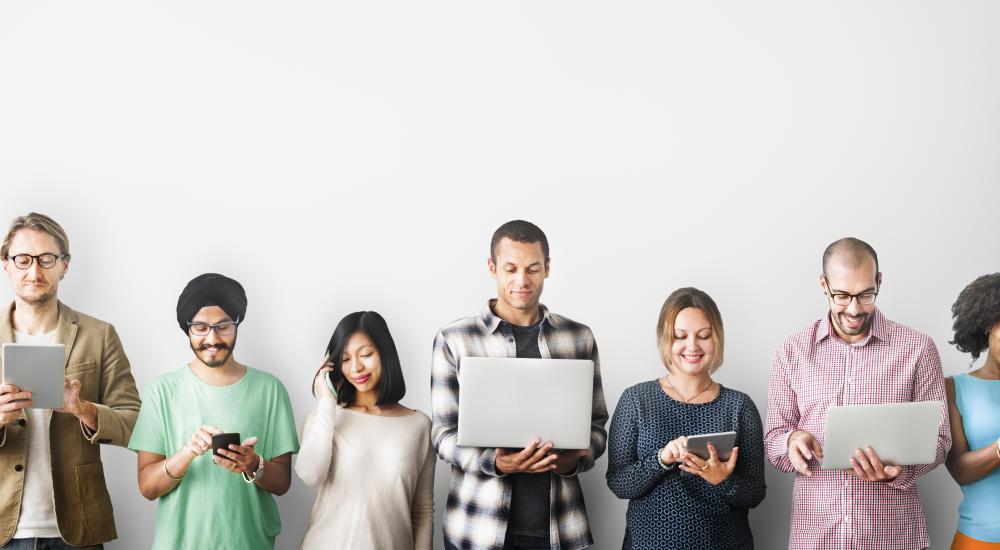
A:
(678, 500)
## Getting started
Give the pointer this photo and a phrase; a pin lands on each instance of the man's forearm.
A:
(276, 479)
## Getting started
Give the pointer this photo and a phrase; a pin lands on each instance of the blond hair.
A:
(681, 299)
(38, 222)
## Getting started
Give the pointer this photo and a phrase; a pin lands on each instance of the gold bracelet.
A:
(998, 447)
(166, 471)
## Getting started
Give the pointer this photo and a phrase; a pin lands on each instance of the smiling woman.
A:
(678, 499)
(973, 406)
(370, 456)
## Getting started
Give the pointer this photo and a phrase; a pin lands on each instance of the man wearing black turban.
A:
(220, 395)
(211, 289)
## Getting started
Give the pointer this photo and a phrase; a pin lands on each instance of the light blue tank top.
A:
(978, 401)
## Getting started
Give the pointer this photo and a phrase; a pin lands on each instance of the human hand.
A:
(533, 459)
(567, 460)
(320, 387)
(674, 450)
(711, 470)
(866, 465)
(239, 459)
(201, 440)
(12, 401)
(802, 447)
(84, 410)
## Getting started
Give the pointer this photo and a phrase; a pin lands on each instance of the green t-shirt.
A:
(213, 507)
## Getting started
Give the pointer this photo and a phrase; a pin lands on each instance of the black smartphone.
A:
(223, 441)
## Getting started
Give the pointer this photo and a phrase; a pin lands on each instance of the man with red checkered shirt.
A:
(852, 356)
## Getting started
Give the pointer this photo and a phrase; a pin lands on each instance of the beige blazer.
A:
(95, 357)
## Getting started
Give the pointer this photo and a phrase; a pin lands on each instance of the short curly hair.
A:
(976, 311)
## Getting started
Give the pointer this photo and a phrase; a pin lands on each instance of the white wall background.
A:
(359, 154)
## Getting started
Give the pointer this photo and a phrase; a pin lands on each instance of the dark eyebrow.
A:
(869, 289)
(529, 265)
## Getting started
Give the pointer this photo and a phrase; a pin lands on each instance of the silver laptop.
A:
(899, 433)
(509, 402)
(38, 368)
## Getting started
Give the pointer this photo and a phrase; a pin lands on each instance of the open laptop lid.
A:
(505, 402)
(899, 433)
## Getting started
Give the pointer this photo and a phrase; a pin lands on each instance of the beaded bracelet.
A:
(664, 465)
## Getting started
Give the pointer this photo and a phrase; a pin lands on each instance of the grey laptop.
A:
(38, 368)
(509, 402)
(899, 433)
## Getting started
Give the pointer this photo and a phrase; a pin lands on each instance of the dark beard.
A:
(218, 362)
(865, 325)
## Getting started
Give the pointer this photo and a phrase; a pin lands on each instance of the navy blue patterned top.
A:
(673, 509)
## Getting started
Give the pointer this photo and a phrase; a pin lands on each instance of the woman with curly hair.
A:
(974, 407)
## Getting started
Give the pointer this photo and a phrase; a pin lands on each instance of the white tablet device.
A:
(899, 433)
(509, 402)
(723, 443)
(38, 368)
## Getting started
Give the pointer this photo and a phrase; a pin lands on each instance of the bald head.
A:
(849, 252)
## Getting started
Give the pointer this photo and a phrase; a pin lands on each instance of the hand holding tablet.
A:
(12, 400)
(711, 457)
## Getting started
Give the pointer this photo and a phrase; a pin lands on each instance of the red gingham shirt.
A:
(815, 369)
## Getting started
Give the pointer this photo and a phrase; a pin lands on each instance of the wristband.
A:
(258, 473)
(166, 471)
(664, 465)
(998, 447)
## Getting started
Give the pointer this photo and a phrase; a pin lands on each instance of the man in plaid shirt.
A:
(852, 356)
(527, 498)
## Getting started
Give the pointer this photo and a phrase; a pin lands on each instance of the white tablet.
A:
(38, 368)
(899, 433)
(509, 402)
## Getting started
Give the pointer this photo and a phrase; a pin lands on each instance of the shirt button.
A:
(18, 468)
(21, 422)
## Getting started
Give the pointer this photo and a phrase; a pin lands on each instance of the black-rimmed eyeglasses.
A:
(225, 328)
(865, 298)
(45, 261)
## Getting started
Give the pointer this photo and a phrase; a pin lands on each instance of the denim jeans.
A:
(45, 544)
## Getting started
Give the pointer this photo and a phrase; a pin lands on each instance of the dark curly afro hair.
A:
(976, 311)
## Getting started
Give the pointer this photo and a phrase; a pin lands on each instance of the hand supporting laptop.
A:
(538, 458)
(866, 465)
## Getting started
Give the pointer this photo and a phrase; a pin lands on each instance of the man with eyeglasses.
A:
(852, 356)
(224, 499)
(51, 478)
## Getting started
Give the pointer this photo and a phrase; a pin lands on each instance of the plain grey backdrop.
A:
(358, 155)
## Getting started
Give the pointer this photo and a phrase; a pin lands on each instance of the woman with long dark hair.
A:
(370, 456)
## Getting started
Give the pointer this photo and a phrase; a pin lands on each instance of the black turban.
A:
(211, 289)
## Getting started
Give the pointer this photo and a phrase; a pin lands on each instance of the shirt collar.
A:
(878, 330)
(492, 322)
